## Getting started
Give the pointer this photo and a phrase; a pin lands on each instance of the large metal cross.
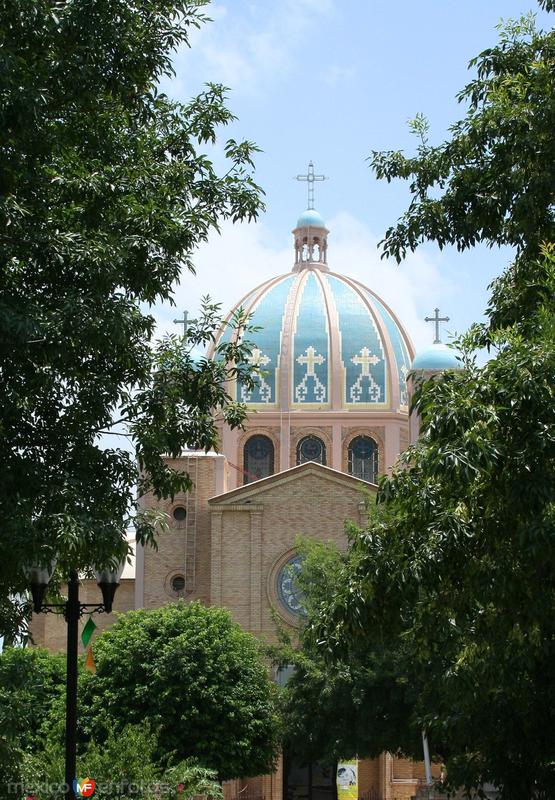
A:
(436, 319)
(185, 322)
(310, 177)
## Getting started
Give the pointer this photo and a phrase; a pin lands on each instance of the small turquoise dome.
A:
(437, 356)
(311, 218)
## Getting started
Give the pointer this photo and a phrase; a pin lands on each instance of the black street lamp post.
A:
(72, 610)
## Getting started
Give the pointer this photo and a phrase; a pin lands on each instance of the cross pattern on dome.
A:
(258, 359)
(365, 359)
(310, 359)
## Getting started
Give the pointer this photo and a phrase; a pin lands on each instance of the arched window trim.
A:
(252, 471)
(365, 469)
(302, 440)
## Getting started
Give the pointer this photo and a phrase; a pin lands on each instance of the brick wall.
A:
(255, 533)
(170, 558)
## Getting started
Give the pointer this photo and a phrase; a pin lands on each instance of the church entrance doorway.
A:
(308, 782)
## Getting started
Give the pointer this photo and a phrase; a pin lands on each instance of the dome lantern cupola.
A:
(311, 241)
(311, 234)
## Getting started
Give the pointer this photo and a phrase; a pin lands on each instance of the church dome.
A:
(437, 356)
(326, 342)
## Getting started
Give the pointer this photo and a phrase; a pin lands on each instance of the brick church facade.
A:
(329, 415)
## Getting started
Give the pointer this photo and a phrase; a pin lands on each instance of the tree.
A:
(493, 181)
(31, 681)
(196, 677)
(455, 570)
(126, 762)
(105, 192)
(347, 703)
(123, 766)
(454, 573)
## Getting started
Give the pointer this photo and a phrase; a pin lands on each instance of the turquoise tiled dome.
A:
(310, 218)
(326, 342)
(437, 356)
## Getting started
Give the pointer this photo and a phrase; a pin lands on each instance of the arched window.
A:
(258, 458)
(363, 458)
(311, 448)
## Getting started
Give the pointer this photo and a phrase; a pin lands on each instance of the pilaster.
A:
(139, 575)
(392, 445)
(256, 571)
(216, 559)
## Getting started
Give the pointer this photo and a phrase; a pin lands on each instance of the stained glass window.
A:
(363, 458)
(311, 448)
(258, 458)
(289, 591)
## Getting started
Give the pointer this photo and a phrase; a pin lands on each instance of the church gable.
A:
(303, 476)
(255, 530)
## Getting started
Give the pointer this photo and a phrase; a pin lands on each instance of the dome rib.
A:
(336, 365)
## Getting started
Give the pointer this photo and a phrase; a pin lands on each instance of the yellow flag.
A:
(89, 661)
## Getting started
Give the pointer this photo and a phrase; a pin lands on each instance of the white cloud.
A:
(243, 256)
(246, 50)
(337, 75)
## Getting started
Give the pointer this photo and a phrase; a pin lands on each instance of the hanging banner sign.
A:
(347, 780)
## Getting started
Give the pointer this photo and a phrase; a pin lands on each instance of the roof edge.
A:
(288, 474)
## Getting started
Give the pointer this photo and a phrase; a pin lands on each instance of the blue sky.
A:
(332, 80)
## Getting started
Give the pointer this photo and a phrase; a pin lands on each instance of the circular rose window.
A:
(288, 591)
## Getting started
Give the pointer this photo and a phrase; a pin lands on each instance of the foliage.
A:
(452, 581)
(31, 680)
(494, 179)
(105, 192)
(455, 571)
(124, 765)
(191, 780)
(123, 762)
(196, 677)
(354, 704)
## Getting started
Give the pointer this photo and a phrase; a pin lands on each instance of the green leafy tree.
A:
(455, 570)
(31, 683)
(124, 765)
(493, 180)
(196, 677)
(105, 192)
(343, 702)
(31, 679)
(125, 762)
